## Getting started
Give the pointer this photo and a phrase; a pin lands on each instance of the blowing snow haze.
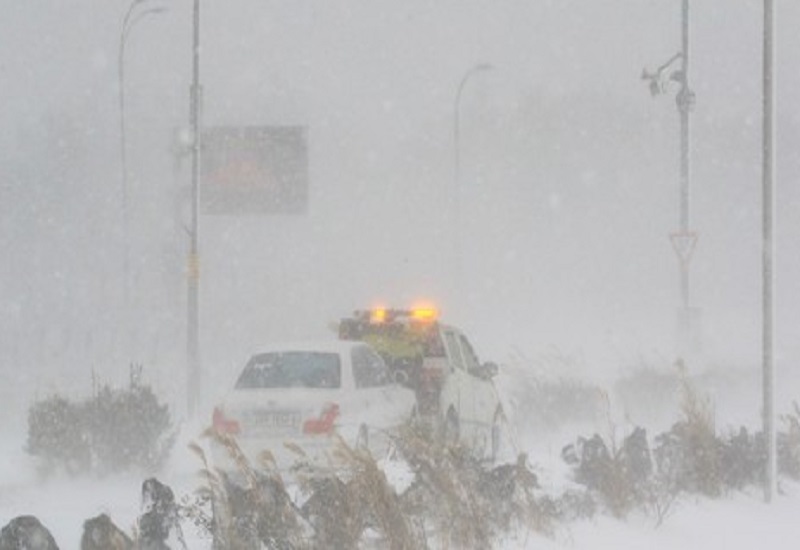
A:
(567, 192)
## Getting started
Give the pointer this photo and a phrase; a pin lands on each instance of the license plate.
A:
(273, 421)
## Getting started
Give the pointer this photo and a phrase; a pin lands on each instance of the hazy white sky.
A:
(568, 184)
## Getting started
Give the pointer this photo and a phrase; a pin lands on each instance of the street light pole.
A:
(193, 383)
(128, 25)
(684, 102)
(684, 239)
(457, 125)
(768, 184)
(457, 168)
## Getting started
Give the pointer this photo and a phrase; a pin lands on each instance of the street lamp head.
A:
(656, 82)
(128, 25)
(126, 21)
(479, 67)
(663, 75)
(148, 11)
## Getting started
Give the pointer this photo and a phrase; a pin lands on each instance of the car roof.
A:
(330, 346)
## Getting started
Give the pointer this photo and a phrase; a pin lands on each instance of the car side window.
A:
(369, 369)
(470, 359)
(453, 350)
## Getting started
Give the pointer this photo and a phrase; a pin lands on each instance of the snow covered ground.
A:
(738, 521)
(62, 504)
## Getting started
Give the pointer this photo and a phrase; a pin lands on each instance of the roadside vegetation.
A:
(424, 494)
(113, 431)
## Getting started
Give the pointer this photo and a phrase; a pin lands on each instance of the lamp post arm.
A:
(139, 16)
(669, 62)
(128, 13)
(129, 21)
(457, 118)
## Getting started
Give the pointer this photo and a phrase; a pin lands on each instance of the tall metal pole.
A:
(457, 169)
(684, 239)
(684, 106)
(457, 126)
(124, 163)
(123, 37)
(768, 183)
(128, 25)
(194, 371)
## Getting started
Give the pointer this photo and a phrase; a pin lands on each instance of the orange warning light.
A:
(377, 315)
(423, 314)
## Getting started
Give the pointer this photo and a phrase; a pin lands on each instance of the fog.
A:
(556, 235)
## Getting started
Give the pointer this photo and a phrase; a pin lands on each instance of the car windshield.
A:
(291, 369)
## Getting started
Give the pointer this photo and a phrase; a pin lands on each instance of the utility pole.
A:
(475, 69)
(684, 101)
(194, 371)
(768, 183)
(129, 22)
(457, 123)
(684, 239)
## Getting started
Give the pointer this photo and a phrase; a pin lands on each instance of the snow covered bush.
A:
(689, 458)
(28, 533)
(128, 429)
(690, 455)
(618, 474)
(742, 459)
(57, 436)
(245, 509)
(159, 526)
(789, 444)
(357, 503)
(100, 533)
(113, 431)
(450, 499)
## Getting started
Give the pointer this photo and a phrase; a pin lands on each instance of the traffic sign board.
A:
(684, 243)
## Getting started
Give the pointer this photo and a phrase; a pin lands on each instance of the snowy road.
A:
(739, 521)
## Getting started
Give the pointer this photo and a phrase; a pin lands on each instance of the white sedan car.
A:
(304, 393)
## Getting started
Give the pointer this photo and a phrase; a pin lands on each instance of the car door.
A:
(456, 391)
(481, 392)
(379, 403)
(470, 388)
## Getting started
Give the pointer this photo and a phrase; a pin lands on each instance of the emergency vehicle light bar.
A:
(377, 315)
(424, 314)
(382, 315)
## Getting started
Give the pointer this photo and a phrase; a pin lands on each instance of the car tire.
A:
(450, 429)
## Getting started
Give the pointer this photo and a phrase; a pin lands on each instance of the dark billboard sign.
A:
(256, 170)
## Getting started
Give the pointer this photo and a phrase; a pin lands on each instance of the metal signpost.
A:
(193, 371)
(768, 177)
(684, 240)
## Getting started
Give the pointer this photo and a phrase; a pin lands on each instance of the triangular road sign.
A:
(684, 243)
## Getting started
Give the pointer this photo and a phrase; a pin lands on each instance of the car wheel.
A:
(451, 429)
